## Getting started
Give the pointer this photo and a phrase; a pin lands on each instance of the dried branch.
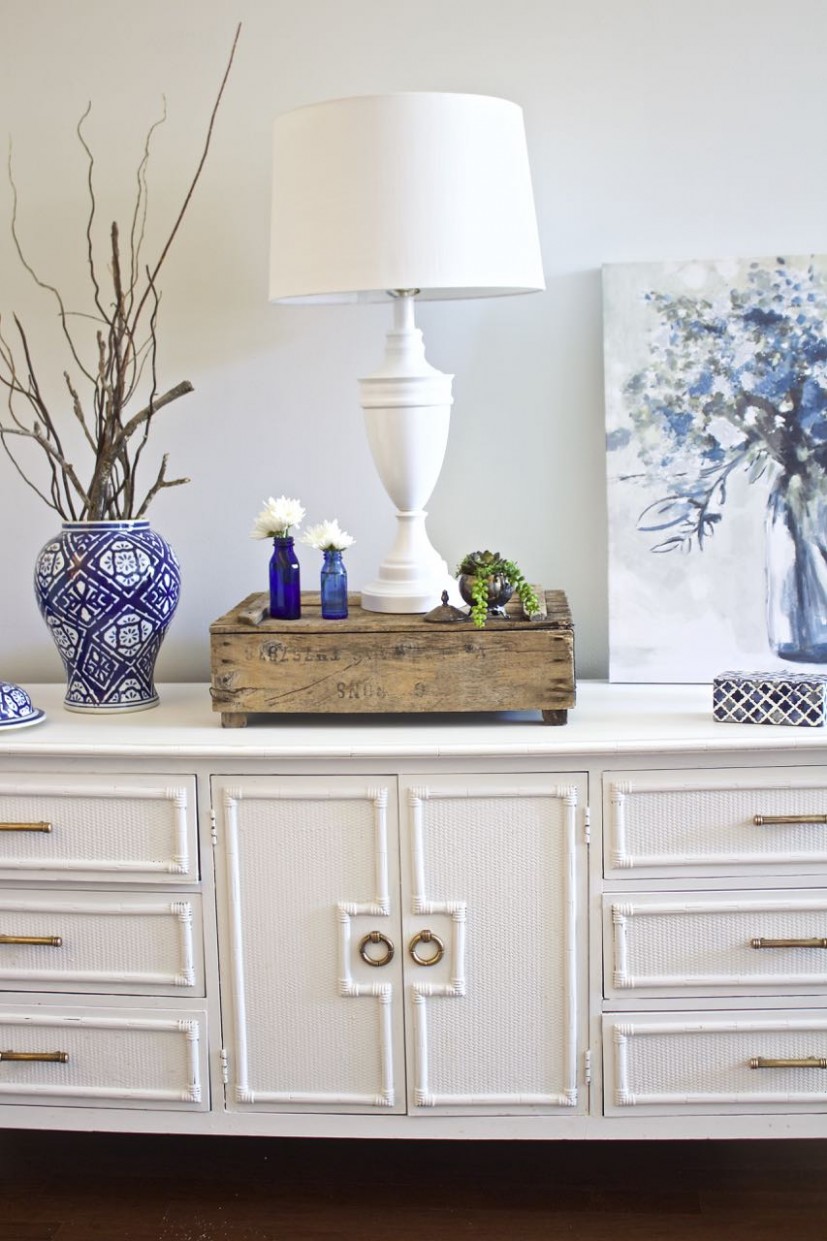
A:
(50, 288)
(154, 275)
(77, 410)
(173, 394)
(65, 467)
(160, 482)
(51, 503)
(93, 204)
(138, 230)
(118, 370)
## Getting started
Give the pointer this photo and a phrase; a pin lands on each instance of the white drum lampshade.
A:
(393, 197)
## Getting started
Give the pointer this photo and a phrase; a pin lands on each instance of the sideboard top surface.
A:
(609, 720)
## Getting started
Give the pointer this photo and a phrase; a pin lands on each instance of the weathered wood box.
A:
(381, 662)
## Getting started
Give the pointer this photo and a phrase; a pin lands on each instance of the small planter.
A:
(498, 590)
(487, 581)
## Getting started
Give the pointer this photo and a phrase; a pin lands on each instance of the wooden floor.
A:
(93, 1187)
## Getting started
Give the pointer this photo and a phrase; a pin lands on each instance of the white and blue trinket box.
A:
(770, 698)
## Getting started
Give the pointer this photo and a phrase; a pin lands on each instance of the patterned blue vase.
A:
(108, 591)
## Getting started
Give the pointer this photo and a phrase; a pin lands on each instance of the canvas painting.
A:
(716, 437)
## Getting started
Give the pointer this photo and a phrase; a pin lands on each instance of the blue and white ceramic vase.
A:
(108, 591)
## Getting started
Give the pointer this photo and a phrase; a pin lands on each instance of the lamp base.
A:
(407, 408)
(413, 575)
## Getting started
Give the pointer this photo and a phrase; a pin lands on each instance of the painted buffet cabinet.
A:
(415, 926)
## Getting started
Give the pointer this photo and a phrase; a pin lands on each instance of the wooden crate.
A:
(386, 662)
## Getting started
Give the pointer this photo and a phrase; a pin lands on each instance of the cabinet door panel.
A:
(306, 872)
(491, 868)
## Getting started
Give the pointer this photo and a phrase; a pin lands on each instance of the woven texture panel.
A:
(116, 1061)
(131, 945)
(682, 947)
(298, 858)
(675, 1066)
(506, 858)
(120, 833)
(702, 825)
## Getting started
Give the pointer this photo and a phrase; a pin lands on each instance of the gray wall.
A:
(657, 129)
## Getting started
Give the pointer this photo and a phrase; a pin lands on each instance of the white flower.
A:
(276, 518)
(327, 536)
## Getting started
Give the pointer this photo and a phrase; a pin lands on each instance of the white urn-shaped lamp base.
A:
(407, 407)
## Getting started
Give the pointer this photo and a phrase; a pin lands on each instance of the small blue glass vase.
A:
(334, 586)
(285, 580)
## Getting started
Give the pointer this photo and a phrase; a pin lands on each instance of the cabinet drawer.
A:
(729, 1062)
(715, 822)
(706, 945)
(104, 1057)
(127, 943)
(122, 829)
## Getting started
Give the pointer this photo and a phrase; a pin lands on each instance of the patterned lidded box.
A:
(770, 698)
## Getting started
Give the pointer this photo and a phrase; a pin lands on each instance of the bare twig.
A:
(154, 275)
(160, 482)
(136, 235)
(93, 204)
(122, 354)
(43, 284)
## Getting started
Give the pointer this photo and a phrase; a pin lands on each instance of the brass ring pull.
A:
(761, 942)
(53, 1057)
(803, 1062)
(375, 937)
(426, 937)
(769, 820)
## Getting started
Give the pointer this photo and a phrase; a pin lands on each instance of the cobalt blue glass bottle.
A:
(334, 586)
(285, 581)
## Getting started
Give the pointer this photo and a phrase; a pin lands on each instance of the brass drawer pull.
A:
(47, 941)
(53, 1057)
(815, 942)
(769, 820)
(25, 827)
(805, 1062)
(427, 937)
(376, 937)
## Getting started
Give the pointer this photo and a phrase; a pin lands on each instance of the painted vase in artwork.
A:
(796, 567)
(108, 591)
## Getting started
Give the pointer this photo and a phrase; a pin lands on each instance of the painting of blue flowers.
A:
(716, 421)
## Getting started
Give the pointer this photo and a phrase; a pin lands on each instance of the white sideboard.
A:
(415, 926)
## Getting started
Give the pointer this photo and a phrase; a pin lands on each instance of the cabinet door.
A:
(494, 928)
(305, 870)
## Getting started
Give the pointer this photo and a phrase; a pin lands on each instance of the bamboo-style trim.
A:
(190, 1028)
(624, 1032)
(177, 864)
(382, 992)
(181, 910)
(622, 913)
(421, 992)
(620, 790)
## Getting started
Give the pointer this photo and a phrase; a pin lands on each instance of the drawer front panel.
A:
(138, 829)
(733, 942)
(131, 943)
(708, 822)
(103, 1058)
(728, 1062)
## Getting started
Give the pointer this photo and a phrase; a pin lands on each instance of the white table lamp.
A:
(393, 197)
